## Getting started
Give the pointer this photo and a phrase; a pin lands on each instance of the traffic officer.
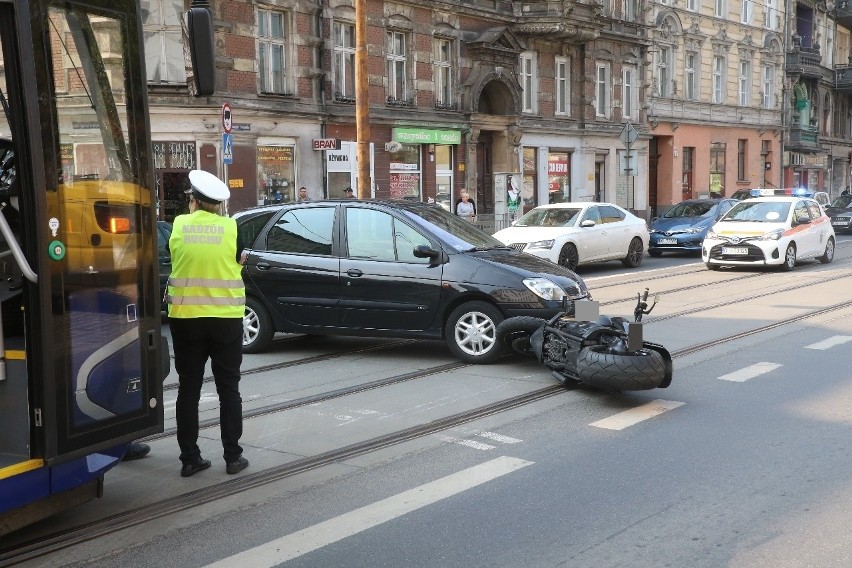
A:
(206, 305)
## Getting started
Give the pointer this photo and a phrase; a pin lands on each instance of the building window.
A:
(405, 173)
(443, 73)
(717, 169)
(276, 176)
(629, 10)
(768, 86)
(718, 79)
(530, 191)
(664, 79)
(344, 61)
(720, 8)
(559, 177)
(602, 92)
(629, 94)
(741, 159)
(529, 81)
(692, 5)
(397, 62)
(745, 83)
(688, 169)
(563, 86)
(161, 27)
(748, 8)
(690, 82)
(272, 51)
(770, 14)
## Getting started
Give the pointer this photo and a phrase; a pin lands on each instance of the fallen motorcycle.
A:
(608, 353)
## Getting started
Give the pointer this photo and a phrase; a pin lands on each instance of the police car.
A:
(767, 231)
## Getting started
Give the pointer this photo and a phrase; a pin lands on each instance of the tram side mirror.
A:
(199, 51)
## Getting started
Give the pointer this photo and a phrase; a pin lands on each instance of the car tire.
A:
(828, 255)
(257, 327)
(635, 253)
(569, 257)
(789, 258)
(514, 333)
(471, 332)
(655, 252)
(643, 369)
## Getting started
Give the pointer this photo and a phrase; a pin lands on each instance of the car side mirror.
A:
(587, 223)
(425, 251)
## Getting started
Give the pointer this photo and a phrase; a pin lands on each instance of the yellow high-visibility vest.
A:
(206, 279)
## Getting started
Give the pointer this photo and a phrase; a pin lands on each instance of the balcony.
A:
(843, 79)
(574, 22)
(805, 62)
(804, 139)
(843, 13)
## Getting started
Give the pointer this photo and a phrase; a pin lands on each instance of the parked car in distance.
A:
(389, 269)
(570, 234)
(840, 212)
(682, 228)
(766, 231)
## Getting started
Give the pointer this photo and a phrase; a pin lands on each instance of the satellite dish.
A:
(393, 146)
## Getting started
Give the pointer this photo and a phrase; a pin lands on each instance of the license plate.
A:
(666, 241)
(840, 222)
(734, 250)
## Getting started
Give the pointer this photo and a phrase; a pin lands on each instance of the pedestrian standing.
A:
(465, 207)
(206, 306)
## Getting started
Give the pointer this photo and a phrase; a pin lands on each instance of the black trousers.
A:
(221, 340)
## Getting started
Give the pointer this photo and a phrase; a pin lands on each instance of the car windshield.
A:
(759, 211)
(842, 202)
(690, 209)
(452, 229)
(549, 217)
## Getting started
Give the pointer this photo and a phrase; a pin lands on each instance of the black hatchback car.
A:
(389, 269)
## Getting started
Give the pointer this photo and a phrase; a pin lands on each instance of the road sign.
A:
(227, 119)
(628, 135)
(227, 148)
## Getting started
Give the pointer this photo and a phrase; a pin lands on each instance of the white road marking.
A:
(750, 372)
(633, 416)
(313, 538)
(469, 443)
(830, 342)
(498, 437)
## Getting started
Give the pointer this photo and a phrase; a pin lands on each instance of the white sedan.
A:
(577, 233)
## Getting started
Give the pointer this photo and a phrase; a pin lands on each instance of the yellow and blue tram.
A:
(81, 355)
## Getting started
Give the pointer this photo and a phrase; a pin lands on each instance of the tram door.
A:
(81, 316)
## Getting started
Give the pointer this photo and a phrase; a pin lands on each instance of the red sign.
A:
(326, 144)
(227, 119)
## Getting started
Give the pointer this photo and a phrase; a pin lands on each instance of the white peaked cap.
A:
(208, 186)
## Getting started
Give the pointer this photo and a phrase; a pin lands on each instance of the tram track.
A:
(77, 535)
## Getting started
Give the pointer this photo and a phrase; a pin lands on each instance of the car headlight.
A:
(541, 245)
(545, 289)
(711, 234)
(694, 230)
(772, 235)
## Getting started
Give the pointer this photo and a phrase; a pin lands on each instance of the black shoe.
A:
(190, 469)
(136, 450)
(237, 466)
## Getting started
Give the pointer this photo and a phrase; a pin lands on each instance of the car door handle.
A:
(354, 273)
(263, 266)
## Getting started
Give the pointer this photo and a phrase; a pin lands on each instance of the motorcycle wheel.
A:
(514, 333)
(643, 369)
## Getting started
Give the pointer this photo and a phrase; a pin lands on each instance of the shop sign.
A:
(274, 155)
(236, 183)
(174, 155)
(426, 136)
(557, 164)
(402, 185)
(326, 144)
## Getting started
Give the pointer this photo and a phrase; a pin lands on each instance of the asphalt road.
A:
(743, 462)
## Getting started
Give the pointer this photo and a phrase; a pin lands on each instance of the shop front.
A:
(421, 164)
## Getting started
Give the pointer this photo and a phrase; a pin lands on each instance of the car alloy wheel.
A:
(635, 253)
(257, 327)
(471, 332)
(789, 258)
(828, 255)
(568, 257)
